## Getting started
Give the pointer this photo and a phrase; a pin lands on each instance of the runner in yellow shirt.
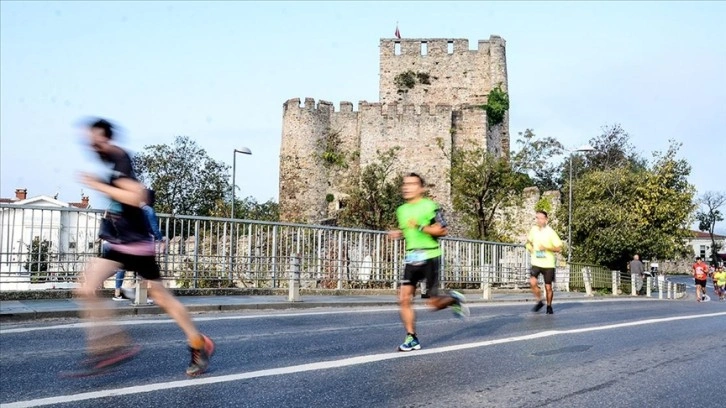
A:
(542, 243)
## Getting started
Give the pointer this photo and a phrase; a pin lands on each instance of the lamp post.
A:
(243, 150)
(585, 148)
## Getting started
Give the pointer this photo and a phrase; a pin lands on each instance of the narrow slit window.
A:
(397, 49)
(450, 47)
(424, 48)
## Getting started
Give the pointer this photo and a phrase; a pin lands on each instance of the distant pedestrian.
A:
(636, 274)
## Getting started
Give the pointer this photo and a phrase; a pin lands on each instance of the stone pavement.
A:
(18, 310)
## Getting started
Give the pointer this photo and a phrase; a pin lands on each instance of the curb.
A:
(151, 310)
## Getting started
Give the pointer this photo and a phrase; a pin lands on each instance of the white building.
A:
(68, 231)
(701, 244)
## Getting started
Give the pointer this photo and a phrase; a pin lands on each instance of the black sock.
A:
(412, 335)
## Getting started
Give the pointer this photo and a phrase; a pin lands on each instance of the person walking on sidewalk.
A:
(542, 243)
(153, 224)
(421, 223)
(636, 274)
(131, 247)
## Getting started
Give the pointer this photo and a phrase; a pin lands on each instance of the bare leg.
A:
(533, 282)
(550, 293)
(408, 317)
(440, 302)
(99, 337)
(165, 300)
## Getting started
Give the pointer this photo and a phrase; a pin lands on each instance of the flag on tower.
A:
(398, 33)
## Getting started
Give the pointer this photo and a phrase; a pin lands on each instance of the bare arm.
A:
(124, 190)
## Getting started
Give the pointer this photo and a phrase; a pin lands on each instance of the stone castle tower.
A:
(431, 90)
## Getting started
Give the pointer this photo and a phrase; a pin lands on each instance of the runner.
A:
(700, 274)
(131, 247)
(542, 243)
(421, 223)
(719, 280)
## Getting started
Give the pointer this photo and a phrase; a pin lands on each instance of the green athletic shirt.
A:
(425, 212)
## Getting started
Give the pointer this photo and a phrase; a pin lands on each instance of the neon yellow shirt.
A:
(548, 238)
(720, 278)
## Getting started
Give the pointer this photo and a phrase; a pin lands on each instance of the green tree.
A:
(248, 209)
(372, 203)
(709, 215)
(622, 210)
(186, 180)
(38, 258)
(482, 183)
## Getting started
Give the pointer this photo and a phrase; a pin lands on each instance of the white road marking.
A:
(325, 365)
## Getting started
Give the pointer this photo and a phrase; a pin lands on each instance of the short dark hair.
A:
(698, 258)
(420, 179)
(542, 212)
(104, 125)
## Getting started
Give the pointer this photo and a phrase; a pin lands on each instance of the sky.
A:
(219, 72)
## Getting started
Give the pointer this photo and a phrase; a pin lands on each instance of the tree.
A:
(248, 209)
(711, 202)
(613, 150)
(186, 180)
(38, 257)
(482, 183)
(372, 204)
(622, 210)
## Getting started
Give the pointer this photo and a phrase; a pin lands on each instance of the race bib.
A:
(415, 257)
(539, 254)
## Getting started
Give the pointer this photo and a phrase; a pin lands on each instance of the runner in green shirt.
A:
(421, 223)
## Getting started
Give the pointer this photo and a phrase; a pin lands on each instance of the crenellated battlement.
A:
(435, 47)
(431, 90)
(391, 109)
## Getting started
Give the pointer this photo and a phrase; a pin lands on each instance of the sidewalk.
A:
(20, 310)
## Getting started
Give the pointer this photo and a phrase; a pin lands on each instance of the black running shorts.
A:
(549, 274)
(429, 271)
(145, 266)
(701, 282)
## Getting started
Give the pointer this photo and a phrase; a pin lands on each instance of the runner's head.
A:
(100, 133)
(413, 187)
(541, 218)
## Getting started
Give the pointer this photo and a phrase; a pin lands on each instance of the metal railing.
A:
(49, 245)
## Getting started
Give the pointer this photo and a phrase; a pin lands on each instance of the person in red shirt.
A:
(700, 273)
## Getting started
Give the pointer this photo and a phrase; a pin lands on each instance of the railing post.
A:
(616, 287)
(670, 290)
(661, 288)
(649, 288)
(294, 285)
(586, 280)
(274, 256)
(141, 295)
(196, 252)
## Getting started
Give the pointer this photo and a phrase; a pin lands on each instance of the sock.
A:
(412, 335)
(197, 343)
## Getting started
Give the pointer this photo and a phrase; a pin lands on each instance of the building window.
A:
(71, 245)
(703, 251)
(90, 245)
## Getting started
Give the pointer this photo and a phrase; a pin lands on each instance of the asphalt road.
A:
(619, 353)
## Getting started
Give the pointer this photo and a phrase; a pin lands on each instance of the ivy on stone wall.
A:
(497, 105)
(408, 79)
(329, 152)
(543, 205)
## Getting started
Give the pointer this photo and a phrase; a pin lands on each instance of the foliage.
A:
(543, 205)
(328, 149)
(186, 180)
(622, 210)
(248, 209)
(408, 79)
(38, 256)
(482, 183)
(711, 202)
(497, 105)
(372, 204)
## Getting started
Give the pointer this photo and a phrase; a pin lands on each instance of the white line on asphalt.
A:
(324, 365)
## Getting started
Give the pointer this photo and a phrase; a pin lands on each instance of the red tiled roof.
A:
(79, 205)
(7, 200)
(705, 235)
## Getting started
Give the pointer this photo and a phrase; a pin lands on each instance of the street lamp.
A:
(585, 148)
(243, 150)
